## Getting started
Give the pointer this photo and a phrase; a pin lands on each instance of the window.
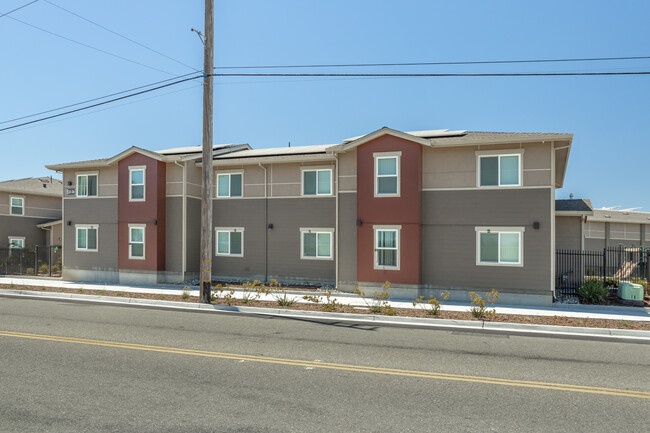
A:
(17, 206)
(136, 241)
(622, 231)
(86, 237)
(499, 170)
(387, 247)
(316, 244)
(594, 230)
(499, 246)
(317, 182)
(230, 241)
(136, 183)
(229, 184)
(16, 242)
(87, 185)
(387, 174)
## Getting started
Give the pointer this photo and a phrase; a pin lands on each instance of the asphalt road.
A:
(83, 367)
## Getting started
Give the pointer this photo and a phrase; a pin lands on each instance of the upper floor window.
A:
(136, 241)
(86, 237)
(387, 177)
(136, 183)
(316, 243)
(17, 206)
(317, 182)
(387, 249)
(499, 246)
(16, 242)
(499, 170)
(87, 185)
(230, 184)
(230, 241)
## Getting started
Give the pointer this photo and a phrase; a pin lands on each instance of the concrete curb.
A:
(598, 334)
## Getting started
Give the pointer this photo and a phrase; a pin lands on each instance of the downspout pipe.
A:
(336, 224)
(266, 226)
(184, 222)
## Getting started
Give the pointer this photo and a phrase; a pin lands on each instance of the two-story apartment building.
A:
(30, 212)
(581, 227)
(425, 210)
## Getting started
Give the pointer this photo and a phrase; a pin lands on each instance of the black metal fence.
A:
(38, 261)
(623, 264)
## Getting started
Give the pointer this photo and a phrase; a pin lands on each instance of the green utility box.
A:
(630, 292)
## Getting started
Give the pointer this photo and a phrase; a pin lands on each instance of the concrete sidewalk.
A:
(566, 310)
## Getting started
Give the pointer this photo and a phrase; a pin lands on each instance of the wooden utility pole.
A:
(206, 196)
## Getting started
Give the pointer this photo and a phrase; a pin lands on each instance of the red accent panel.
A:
(142, 212)
(405, 210)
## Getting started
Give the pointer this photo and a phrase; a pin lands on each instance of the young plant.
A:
(252, 291)
(593, 291)
(479, 307)
(280, 295)
(223, 292)
(186, 292)
(379, 300)
(330, 303)
(432, 305)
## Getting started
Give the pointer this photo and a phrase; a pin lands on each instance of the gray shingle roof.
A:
(574, 205)
(34, 185)
(481, 137)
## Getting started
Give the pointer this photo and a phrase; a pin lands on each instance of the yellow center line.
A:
(334, 366)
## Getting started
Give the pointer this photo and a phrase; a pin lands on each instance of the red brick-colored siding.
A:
(150, 212)
(405, 210)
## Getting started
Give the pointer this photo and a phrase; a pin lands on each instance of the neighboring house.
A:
(580, 227)
(30, 211)
(425, 210)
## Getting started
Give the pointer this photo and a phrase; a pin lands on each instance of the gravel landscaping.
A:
(405, 312)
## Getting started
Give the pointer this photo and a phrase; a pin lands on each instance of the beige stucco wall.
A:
(456, 167)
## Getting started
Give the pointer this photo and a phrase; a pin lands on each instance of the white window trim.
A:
(229, 174)
(228, 230)
(302, 181)
(508, 230)
(499, 154)
(398, 242)
(86, 174)
(385, 155)
(22, 206)
(76, 235)
(304, 230)
(142, 168)
(17, 238)
(144, 240)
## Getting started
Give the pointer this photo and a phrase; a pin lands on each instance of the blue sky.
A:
(608, 115)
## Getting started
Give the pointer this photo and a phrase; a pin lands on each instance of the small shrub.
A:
(379, 299)
(312, 298)
(624, 324)
(479, 307)
(280, 295)
(29, 271)
(186, 292)
(161, 296)
(78, 290)
(593, 291)
(432, 305)
(388, 310)
(330, 303)
(122, 294)
(252, 291)
(223, 292)
(44, 269)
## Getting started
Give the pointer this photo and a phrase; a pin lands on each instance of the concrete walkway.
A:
(566, 310)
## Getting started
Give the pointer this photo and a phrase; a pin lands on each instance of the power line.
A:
(101, 103)
(19, 7)
(479, 62)
(122, 36)
(89, 46)
(522, 74)
(539, 74)
(94, 99)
